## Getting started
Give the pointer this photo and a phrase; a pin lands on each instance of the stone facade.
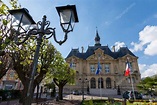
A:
(112, 66)
(10, 81)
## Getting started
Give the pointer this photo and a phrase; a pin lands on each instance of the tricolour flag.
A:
(71, 64)
(98, 69)
(128, 69)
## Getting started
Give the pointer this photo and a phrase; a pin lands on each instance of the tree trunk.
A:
(41, 91)
(24, 99)
(37, 94)
(23, 95)
(60, 92)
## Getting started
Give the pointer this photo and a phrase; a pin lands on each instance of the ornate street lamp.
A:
(83, 81)
(24, 27)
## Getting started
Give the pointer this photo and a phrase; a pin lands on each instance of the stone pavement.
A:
(48, 102)
(67, 100)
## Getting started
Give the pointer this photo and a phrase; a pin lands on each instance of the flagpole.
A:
(100, 87)
(98, 73)
(100, 78)
(131, 80)
(71, 67)
(132, 87)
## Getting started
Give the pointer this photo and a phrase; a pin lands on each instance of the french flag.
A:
(128, 69)
(98, 69)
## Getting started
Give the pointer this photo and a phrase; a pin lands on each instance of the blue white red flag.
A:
(71, 64)
(98, 69)
(128, 69)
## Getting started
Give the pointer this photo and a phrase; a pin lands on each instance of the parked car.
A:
(130, 95)
(126, 95)
(76, 92)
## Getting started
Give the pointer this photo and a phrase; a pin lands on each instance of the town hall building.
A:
(112, 65)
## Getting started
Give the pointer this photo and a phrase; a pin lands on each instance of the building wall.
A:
(116, 67)
(10, 81)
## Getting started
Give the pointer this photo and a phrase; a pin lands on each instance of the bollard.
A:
(124, 101)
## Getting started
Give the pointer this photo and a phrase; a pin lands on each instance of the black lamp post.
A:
(24, 27)
(83, 81)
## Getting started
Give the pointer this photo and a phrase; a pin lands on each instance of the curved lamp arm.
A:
(21, 37)
(61, 41)
(46, 33)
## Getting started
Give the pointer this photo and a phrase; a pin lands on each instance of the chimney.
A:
(82, 49)
(113, 49)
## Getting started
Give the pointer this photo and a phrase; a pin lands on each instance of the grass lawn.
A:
(116, 102)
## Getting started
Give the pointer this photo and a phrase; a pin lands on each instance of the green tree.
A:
(23, 56)
(6, 37)
(6, 30)
(148, 85)
(51, 86)
(61, 74)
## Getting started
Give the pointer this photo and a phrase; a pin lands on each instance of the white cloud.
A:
(137, 47)
(147, 40)
(147, 70)
(118, 45)
(151, 48)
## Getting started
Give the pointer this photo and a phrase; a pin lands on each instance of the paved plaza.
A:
(67, 100)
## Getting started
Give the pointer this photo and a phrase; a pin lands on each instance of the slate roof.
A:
(90, 51)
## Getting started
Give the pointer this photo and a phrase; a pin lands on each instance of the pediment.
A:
(128, 56)
(102, 57)
(99, 52)
(72, 59)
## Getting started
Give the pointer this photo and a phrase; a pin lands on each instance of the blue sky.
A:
(131, 23)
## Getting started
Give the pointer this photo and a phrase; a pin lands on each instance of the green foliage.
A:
(3, 9)
(14, 4)
(6, 33)
(148, 84)
(91, 102)
(60, 70)
(100, 102)
(51, 86)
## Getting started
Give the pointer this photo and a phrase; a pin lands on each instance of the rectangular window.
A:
(92, 68)
(129, 80)
(131, 67)
(107, 68)
(73, 66)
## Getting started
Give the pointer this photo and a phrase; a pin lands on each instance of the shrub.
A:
(10, 94)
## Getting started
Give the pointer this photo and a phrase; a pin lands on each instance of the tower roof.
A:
(97, 39)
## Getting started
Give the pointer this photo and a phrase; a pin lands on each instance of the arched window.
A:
(133, 79)
(108, 83)
(100, 83)
(129, 80)
(93, 83)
